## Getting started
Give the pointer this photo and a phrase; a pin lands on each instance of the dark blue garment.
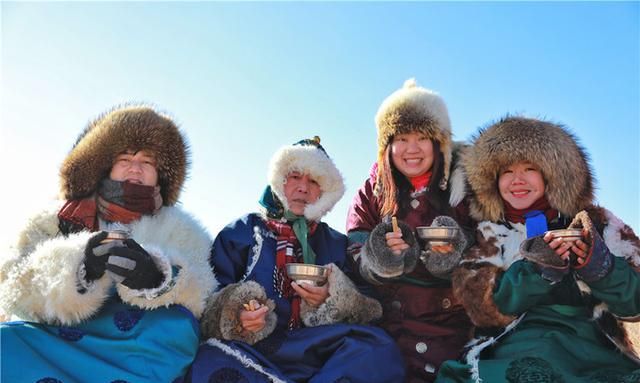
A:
(245, 250)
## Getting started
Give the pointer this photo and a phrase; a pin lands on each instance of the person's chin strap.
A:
(301, 230)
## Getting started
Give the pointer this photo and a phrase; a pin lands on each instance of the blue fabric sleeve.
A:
(231, 250)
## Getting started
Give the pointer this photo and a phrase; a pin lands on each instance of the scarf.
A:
(512, 214)
(116, 201)
(420, 182)
(288, 250)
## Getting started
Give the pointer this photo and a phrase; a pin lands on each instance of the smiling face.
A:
(135, 167)
(521, 184)
(300, 190)
(412, 154)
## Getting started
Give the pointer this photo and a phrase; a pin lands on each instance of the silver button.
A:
(396, 305)
(446, 303)
(429, 368)
(421, 347)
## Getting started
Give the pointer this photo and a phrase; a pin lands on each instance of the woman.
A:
(410, 181)
(103, 309)
(551, 310)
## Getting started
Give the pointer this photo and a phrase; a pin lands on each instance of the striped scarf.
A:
(288, 250)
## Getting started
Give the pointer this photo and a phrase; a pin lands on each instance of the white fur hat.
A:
(307, 157)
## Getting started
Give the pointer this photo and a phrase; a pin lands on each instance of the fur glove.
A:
(549, 264)
(221, 318)
(345, 304)
(441, 265)
(599, 261)
(377, 258)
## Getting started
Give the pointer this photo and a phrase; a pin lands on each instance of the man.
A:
(271, 329)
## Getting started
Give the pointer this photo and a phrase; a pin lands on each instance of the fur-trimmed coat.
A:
(614, 305)
(332, 343)
(40, 278)
(419, 310)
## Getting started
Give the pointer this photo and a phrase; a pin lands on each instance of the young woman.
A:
(410, 181)
(551, 310)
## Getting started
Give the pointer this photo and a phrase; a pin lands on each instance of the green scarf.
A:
(301, 230)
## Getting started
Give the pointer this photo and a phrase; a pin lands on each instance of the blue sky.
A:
(242, 79)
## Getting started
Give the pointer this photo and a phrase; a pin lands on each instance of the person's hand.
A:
(133, 266)
(581, 248)
(313, 295)
(395, 243)
(95, 255)
(558, 245)
(566, 249)
(254, 320)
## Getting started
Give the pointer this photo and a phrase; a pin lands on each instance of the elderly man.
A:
(264, 327)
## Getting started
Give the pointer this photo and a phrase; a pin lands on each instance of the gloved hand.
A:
(549, 264)
(599, 260)
(95, 258)
(133, 266)
(441, 264)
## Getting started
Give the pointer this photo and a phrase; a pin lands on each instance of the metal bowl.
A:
(567, 235)
(116, 235)
(307, 273)
(437, 236)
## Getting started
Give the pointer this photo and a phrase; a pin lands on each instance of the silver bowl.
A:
(307, 273)
(116, 235)
(567, 235)
(437, 236)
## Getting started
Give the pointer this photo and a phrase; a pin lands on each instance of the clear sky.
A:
(242, 79)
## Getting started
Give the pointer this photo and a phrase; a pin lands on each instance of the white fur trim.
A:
(614, 242)
(184, 244)
(255, 251)
(38, 277)
(508, 240)
(307, 159)
(246, 361)
(457, 186)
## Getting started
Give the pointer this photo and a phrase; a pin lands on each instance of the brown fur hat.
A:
(564, 165)
(414, 109)
(132, 127)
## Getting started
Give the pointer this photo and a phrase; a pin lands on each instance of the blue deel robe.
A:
(245, 251)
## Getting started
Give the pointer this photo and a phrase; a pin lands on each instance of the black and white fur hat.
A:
(307, 157)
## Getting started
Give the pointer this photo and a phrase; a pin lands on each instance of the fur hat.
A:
(564, 165)
(132, 127)
(415, 109)
(307, 157)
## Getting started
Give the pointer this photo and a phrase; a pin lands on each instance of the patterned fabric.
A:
(288, 250)
(99, 350)
(116, 201)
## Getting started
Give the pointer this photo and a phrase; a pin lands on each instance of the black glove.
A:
(134, 266)
(94, 259)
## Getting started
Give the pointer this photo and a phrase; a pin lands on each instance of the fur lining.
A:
(245, 360)
(307, 159)
(380, 260)
(344, 305)
(185, 245)
(221, 318)
(134, 127)
(569, 188)
(38, 279)
(415, 109)
(458, 178)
